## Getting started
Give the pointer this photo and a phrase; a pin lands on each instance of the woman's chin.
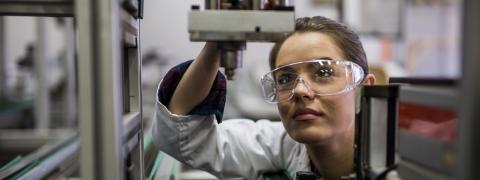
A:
(310, 136)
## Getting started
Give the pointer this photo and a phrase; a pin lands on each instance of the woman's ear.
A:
(369, 79)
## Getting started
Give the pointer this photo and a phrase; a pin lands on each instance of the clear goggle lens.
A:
(322, 77)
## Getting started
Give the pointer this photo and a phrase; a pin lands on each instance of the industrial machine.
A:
(407, 130)
(376, 131)
(232, 23)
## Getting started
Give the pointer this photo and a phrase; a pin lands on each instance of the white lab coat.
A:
(234, 148)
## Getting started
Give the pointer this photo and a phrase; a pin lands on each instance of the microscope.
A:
(231, 23)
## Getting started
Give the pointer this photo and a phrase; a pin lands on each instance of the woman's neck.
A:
(335, 158)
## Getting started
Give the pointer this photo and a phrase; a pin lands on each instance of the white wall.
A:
(164, 29)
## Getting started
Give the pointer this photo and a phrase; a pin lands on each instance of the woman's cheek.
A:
(284, 110)
(341, 109)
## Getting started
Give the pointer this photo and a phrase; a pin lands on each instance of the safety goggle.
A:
(321, 77)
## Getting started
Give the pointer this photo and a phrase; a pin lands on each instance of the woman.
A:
(314, 73)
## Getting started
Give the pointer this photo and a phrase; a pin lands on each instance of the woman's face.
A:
(309, 118)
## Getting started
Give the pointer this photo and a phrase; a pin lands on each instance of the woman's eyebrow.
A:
(288, 69)
(324, 57)
(315, 58)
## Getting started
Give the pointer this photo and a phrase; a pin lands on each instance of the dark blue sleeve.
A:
(214, 103)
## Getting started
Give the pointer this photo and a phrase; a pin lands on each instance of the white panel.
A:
(378, 132)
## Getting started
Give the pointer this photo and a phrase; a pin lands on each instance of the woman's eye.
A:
(285, 79)
(324, 73)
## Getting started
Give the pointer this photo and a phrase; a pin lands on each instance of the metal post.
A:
(70, 91)
(107, 57)
(211, 4)
(100, 100)
(86, 112)
(469, 92)
(340, 10)
(135, 78)
(42, 99)
(2, 58)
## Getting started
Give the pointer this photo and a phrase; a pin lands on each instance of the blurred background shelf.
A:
(44, 8)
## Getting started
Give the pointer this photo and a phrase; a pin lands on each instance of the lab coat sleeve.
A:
(214, 103)
(234, 148)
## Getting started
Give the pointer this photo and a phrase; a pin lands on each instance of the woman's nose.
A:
(303, 90)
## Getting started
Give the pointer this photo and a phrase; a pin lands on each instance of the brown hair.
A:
(345, 39)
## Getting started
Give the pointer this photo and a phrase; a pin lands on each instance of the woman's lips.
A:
(306, 114)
